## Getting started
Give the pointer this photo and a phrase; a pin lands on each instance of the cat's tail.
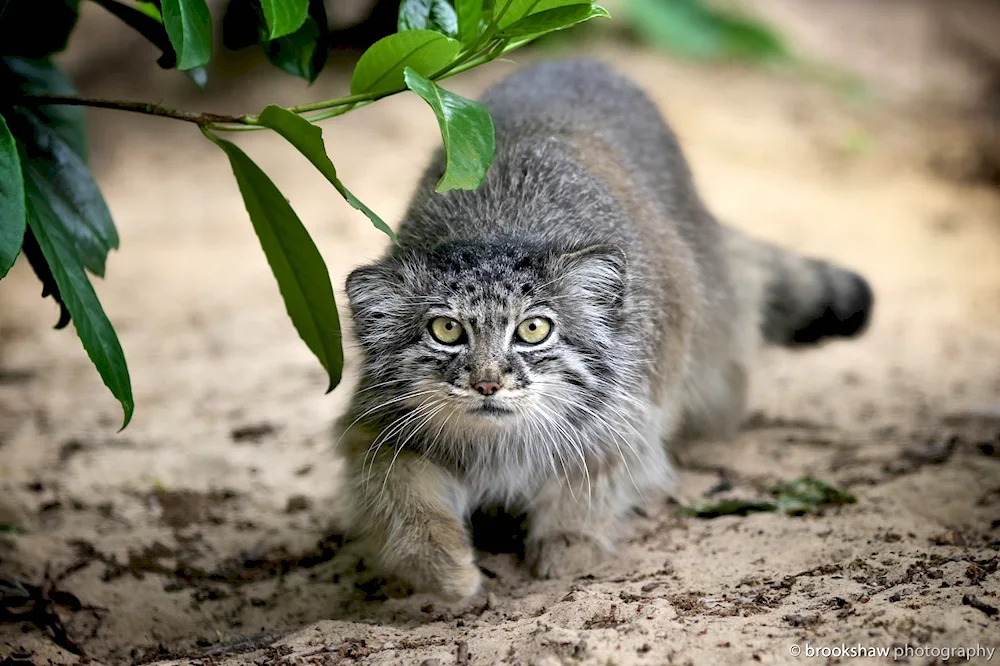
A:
(798, 300)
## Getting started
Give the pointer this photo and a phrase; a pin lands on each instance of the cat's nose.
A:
(487, 388)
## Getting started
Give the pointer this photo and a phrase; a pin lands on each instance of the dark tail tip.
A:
(843, 313)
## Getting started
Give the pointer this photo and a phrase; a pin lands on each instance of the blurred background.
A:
(863, 131)
(931, 56)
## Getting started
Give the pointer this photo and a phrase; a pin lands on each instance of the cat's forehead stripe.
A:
(484, 279)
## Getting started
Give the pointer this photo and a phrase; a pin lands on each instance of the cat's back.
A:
(577, 145)
(571, 95)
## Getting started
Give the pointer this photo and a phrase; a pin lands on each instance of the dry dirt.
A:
(206, 533)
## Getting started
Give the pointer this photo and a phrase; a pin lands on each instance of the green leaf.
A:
(793, 498)
(700, 508)
(189, 26)
(42, 77)
(59, 175)
(467, 132)
(149, 9)
(284, 16)
(470, 20)
(380, 68)
(693, 29)
(436, 15)
(33, 253)
(145, 18)
(308, 139)
(808, 495)
(297, 265)
(12, 211)
(92, 325)
(509, 12)
(551, 20)
(297, 53)
(304, 52)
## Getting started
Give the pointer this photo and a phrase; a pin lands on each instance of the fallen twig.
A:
(975, 602)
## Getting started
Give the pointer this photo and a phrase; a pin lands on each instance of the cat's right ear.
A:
(378, 304)
(372, 289)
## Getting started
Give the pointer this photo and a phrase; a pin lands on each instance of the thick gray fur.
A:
(588, 217)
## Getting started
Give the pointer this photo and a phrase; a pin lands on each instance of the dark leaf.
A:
(304, 52)
(36, 29)
(308, 139)
(42, 77)
(297, 53)
(12, 210)
(33, 254)
(151, 27)
(145, 18)
(380, 68)
(284, 17)
(189, 26)
(551, 20)
(92, 325)
(241, 24)
(297, 265)
(64, 180)
(436, 15)
(467, 132)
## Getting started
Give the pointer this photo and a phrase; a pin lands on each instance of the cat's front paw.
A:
(562, 555)
(449, 581)
(444, 565)
(459, 584)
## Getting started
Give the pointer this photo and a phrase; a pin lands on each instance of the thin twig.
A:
(134, 107)
(324, 109)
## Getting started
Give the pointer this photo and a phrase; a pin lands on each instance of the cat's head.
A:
(489, 333)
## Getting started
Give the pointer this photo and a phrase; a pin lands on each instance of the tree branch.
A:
(326, 108)
(202, 119)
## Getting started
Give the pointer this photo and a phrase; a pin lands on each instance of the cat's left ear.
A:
(597, 273)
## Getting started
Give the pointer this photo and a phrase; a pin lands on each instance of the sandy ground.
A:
(206, 533)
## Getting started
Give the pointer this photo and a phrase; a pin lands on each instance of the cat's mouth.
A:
(491, 408)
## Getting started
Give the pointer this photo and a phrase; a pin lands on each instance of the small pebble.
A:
(297, 503)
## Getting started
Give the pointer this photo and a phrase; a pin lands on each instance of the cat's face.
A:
(490, 334)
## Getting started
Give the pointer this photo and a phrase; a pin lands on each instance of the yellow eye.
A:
(447, 330)
(534, 330)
